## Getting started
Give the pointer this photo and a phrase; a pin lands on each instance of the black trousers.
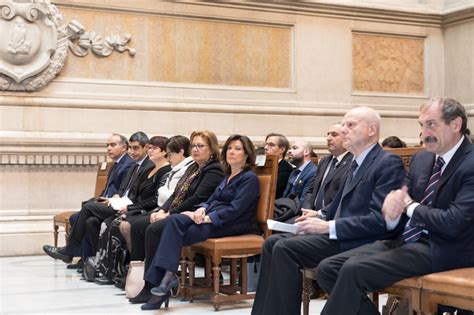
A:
(138, 226)
(152, 240)
(280, 282)
(349, 276)
(90, 217)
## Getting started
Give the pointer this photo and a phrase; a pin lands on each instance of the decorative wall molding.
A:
(231, 106)
(80, 42)
(35, 40)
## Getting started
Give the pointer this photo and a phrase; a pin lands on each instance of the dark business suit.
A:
(284, 171)
(449, 243)
(301, 186)
(115, 178)
(117, 175)
(360, 222)
(332, 182)
(231, 209)
(93, 213)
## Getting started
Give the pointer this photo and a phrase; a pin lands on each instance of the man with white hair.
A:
(353, 219)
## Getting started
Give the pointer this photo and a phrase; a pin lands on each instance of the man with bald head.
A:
(354, 218)
(433, 213)
(300, 154)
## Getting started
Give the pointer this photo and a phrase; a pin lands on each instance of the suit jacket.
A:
(361, 221)
(284, 171)
(200, 189)
(117, 175)
(450, 219)
(304, 181)
(333, 182)
(232, 205)
(143, 171)
(146, 192)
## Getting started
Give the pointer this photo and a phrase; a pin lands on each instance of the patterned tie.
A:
(411, 233)
(319, 200)
(351, 174)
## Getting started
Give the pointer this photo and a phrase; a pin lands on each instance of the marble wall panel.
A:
(387, 64)
(182, 50)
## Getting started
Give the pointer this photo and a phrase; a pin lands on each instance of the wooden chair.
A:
(453, 288)
(235, 248)
(62, 218)
(408, 288)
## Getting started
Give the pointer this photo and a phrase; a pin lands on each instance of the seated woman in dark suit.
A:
(229, 211)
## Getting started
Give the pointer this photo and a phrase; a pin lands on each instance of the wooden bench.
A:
(62, 218)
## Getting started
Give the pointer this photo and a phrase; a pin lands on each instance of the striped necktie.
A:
(412, 233)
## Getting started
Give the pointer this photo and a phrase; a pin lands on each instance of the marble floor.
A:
(41, 285)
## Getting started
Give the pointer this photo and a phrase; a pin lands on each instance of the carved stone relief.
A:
(35, 41)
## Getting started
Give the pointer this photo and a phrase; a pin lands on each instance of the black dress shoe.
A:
(55, 252)
(120, 282)
(79, 264)
(103, 281)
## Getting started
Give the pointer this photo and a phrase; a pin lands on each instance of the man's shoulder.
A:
(285, 165)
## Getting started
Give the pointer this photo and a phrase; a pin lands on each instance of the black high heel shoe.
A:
(169, 282)
(155, 302)
(141, 297)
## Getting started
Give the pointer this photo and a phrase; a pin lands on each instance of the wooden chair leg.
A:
(66, 233)
(216, 269)
(191, 269)
(243, 275)
(55, 233)
(307, 291)
(184, 271)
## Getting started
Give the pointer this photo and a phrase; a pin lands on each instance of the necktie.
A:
(109, 180)
(351, 174)
(411, 233)
(293, 178)
(132, 179)
(319, 200)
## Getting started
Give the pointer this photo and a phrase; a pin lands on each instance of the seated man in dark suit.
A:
(434, 213)
(353, 219)
(93, 213)
(300, 178)
(329, 177)
(117, 147)
(277, 144)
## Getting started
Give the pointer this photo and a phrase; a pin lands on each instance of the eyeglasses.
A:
(198, 146)
(153, 147)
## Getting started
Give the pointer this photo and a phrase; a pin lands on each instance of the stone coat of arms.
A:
(33, 45)
(34, 42)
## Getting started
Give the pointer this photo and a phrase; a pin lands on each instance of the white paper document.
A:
(283, 227)
(119, 203)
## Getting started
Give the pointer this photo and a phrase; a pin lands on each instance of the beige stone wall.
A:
(231, 68)
(185, 50)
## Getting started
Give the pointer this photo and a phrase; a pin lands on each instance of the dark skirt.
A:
(112, 254)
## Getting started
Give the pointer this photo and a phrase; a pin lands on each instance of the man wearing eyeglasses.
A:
(277, 144)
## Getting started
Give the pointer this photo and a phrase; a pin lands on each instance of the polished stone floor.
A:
(41, 285)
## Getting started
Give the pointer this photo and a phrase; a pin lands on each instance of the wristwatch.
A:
(408, 204)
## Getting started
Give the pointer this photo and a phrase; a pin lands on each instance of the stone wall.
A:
(249, 68)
